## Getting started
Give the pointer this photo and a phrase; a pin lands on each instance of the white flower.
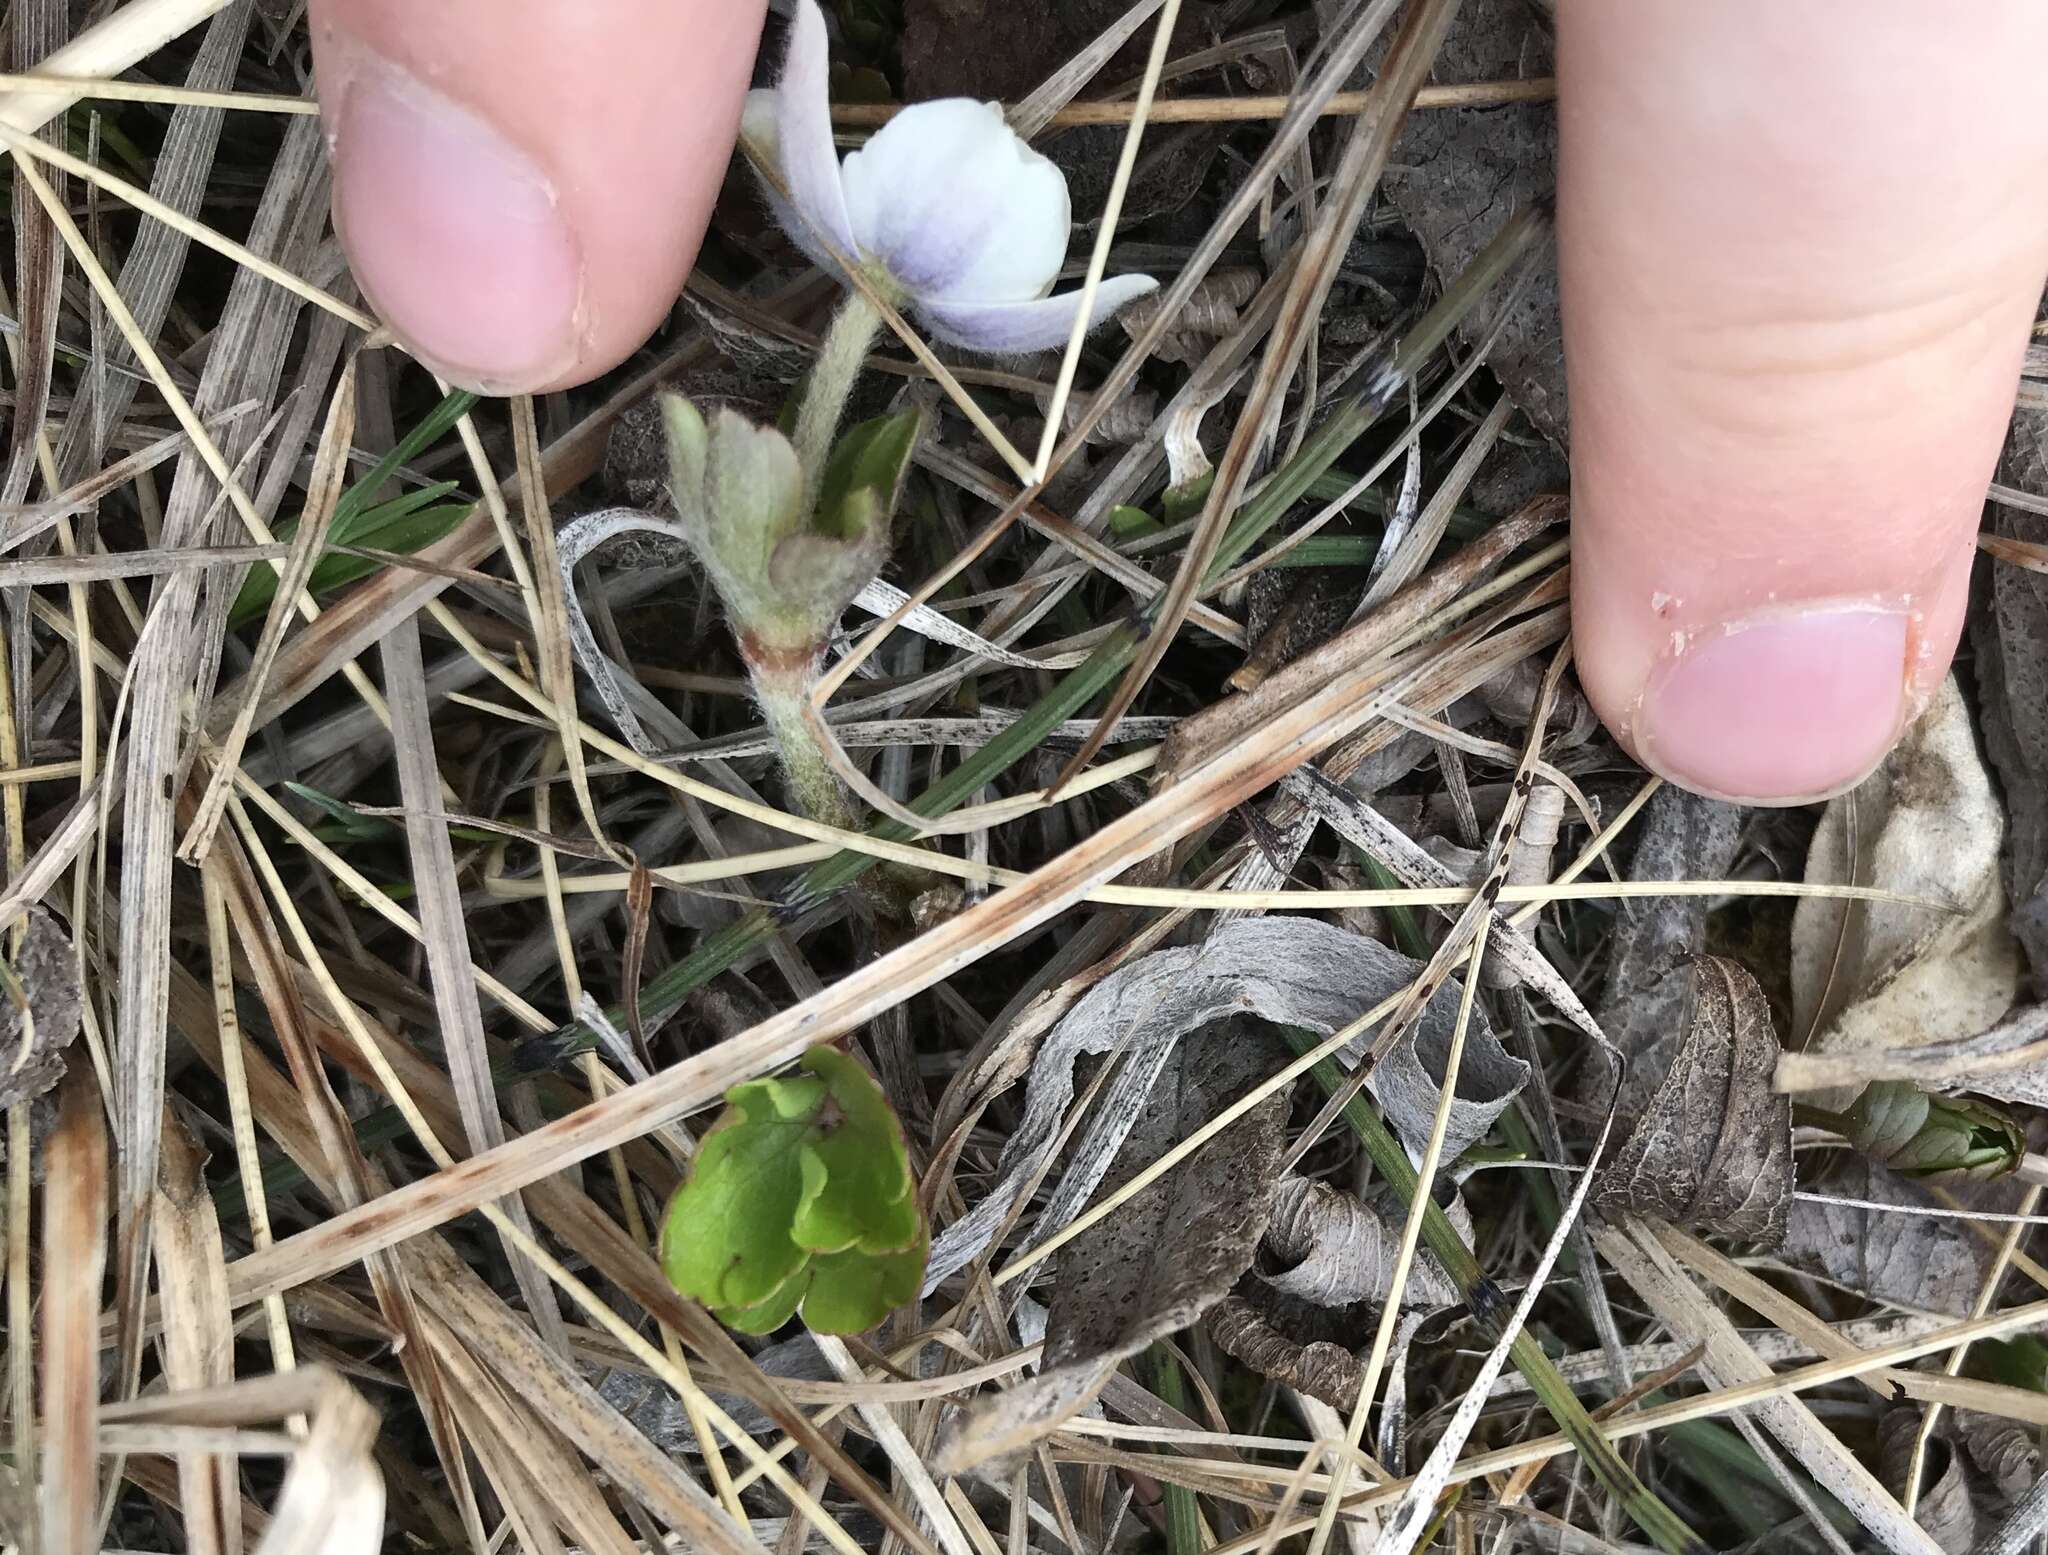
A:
(945, 208)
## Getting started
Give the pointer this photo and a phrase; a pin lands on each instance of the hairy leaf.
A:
(872, 457)
(1923, 1135)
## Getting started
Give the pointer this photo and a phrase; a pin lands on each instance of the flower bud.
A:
(784, 573)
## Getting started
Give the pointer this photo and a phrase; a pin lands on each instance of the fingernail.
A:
(1780, 709)
(454, 235)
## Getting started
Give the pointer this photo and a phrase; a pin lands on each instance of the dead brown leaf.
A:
(1713, 1148)
(2004, 1450)
(1163, 1259)
(1318, 1368)
(74, 1258)
(1919, 1261)
(2012, 677)
(1647, 1006)
(1459, 174)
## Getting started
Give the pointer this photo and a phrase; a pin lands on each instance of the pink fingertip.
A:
(454, 234)
(1782, 709)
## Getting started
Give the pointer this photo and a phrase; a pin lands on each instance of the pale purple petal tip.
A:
(1004, 328)
(803, 112)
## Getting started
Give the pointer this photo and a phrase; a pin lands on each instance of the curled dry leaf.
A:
(1319, 1368)
(2004, 1450)
(2012, 677)
(2008, 1060)
(1289, 971)
(45, 980)
(1944, 1508)
(1647, 1006)
(1891, 975)
(1161, 1260)
(1340, 1249)
(1712, 1150)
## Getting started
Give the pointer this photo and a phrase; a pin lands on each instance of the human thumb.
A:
(1800, 249)
(522, 185)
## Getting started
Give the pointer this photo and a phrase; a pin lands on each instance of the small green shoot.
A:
(402, 525)
(349, 823)
(1129, 523)
(864, 476)
(800, 1199)
(1918, 1134)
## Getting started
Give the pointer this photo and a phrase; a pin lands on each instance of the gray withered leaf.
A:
(1712, 1150)
(1163, 1259)
(1647, 1005)
(44, 976)
(2012, 678)
(1458, 174)
(1917, 1260)
(2004, 1450)
(1289, 971)
(1893, 974)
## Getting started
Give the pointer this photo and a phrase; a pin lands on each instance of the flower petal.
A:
(1007, 327)
(803, 139)
(955, 205)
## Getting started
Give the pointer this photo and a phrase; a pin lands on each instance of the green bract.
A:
(784, 570)
(800, 1198)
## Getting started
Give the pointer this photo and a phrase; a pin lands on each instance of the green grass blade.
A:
(356, 516)
(1183, 1516)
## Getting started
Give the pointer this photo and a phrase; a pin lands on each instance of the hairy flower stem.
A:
(840, 357)
(813, 785)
